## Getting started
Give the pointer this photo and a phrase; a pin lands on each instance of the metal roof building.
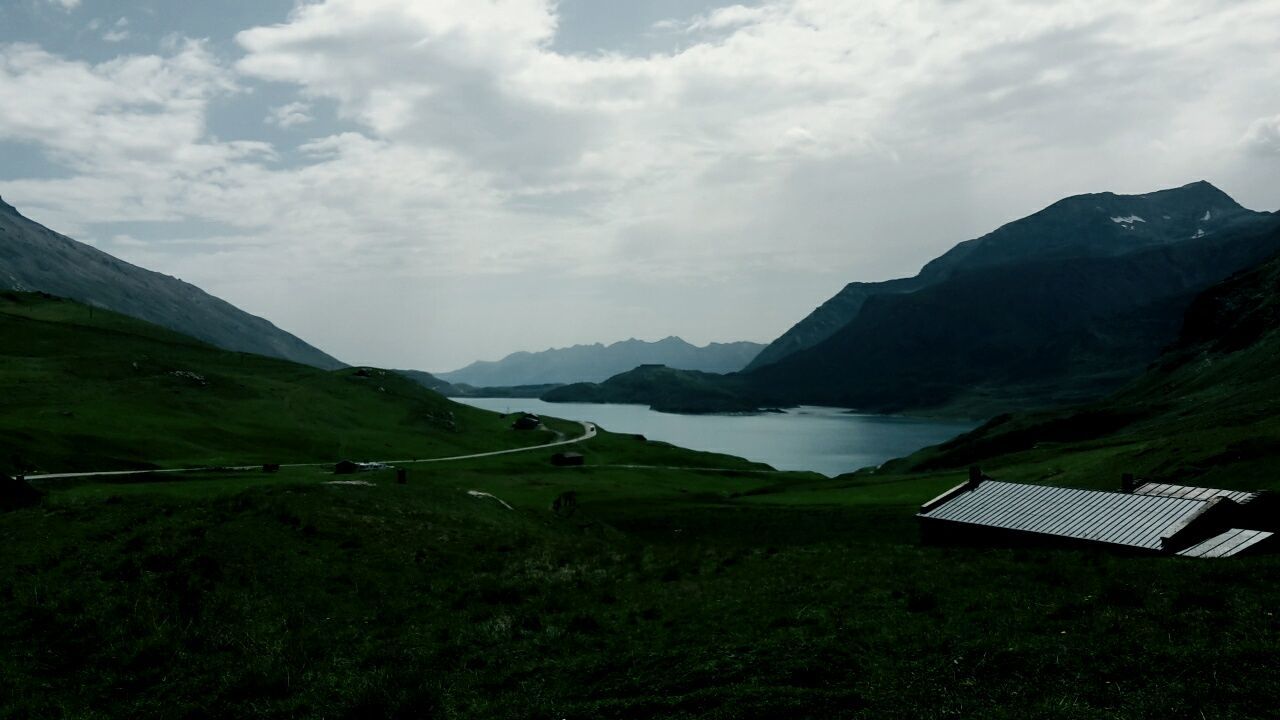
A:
(1195, 522)
(1195, 493)
(1227, 543)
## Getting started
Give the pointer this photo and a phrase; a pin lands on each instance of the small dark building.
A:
(527, 421)
(271, 467)
(1193, 522)
(568, 459)
(17, 493)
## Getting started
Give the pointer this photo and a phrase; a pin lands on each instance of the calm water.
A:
(825, 440)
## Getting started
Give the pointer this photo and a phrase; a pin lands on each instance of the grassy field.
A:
(716, 590)
(88, 389)
(664, 594)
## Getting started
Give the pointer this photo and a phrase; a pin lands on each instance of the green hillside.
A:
(1208, 413)
(634, 586)
(87, 389)
(651, 582)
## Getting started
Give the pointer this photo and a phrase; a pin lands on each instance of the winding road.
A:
(588, 432)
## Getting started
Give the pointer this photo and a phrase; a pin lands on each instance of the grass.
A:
(711, 591)
(88, 389)
(671, 594)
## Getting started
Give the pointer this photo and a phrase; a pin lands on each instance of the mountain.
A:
(1063, 306)
(1092, 225)
(595, 363)
(828, 319)
(661, 388)
(35, 258)
(1206, 413)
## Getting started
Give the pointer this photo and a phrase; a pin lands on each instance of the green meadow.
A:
(660, 594)
(86, 389)
(651, 582)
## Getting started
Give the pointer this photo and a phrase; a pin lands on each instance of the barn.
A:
(1152, 518)
(568, 459)
(527, 421)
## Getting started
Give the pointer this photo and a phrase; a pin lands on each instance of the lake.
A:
(830, 441)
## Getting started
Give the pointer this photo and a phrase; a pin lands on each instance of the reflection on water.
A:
(825, 440)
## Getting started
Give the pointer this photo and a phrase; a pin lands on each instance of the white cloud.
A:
(118, 32)
(290, 114)
(730, 17)
(104, 116)
(1263, 135)
(788, 147)
(67, 5)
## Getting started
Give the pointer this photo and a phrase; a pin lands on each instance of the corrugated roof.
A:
(1193, 493)
(1108, 517)
(1227, 543)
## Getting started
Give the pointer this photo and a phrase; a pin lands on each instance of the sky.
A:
(424, 183)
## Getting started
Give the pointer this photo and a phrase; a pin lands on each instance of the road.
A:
(588, 432)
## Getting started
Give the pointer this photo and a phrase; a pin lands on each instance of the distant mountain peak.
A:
(1201, 191)
(597, 362)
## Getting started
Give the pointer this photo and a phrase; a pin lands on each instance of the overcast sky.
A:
(423, 183)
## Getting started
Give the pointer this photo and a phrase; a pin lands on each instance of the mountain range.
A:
(1059, 307)
(598, 362)
(1092, 225)
(35, 258)
(1062, 306)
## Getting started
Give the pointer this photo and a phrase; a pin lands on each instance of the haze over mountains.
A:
(35, 258)
(598, 362)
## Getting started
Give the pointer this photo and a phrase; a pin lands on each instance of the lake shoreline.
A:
(825, 440)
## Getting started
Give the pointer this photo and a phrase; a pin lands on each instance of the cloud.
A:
(106, 115)
(118, 32)
(67, 5)
(1263, 135)
(783, 149)
(729, 17)
(131, 131)
(443, 74)
(290, 114)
